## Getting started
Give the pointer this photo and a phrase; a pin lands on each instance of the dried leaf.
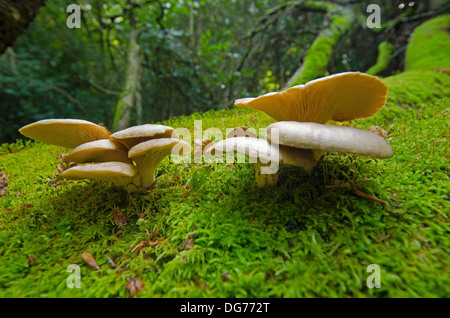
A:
(120, 218)
(134, 286)
(88, 258)
(189, 242)
(200, 146)
(379, 131)
(241, 132)
(3, 183)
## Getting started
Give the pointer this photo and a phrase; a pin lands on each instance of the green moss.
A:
(430, 45)
(385, 51)
(413, 89)
(299, 239)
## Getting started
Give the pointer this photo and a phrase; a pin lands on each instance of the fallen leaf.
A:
(3, 183)
(120, 218)
(189, 242)
(200, 146)
(88, 258)
(379, 131)
(225, 276)
(241, 132)
(134, 286)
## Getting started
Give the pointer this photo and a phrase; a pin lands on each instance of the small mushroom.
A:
(148, 154)
(119, 173)
(132, 136)
(265, 156)
(102, 150)
(340, 97)
(67, 133)
(320, 137)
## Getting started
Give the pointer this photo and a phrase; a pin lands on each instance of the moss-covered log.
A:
(385, 51)
(427, 71)
(318, 56)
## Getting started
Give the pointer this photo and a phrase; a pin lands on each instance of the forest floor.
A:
(206, 230)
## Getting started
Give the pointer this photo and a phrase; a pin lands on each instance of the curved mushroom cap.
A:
(68, 133)
(330, 138)
(148, 154)
(342, 96)
(119, 173)
(102, 150)
(137, 134)
(258, 149)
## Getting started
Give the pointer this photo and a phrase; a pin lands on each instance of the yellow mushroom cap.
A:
(102, 150)
(67, 133)
(132, 136)
(148, 154)
(119, 173)
(330, 138)
(340, 97)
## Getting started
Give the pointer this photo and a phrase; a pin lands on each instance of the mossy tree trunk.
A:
(131, 92)
(338, 21)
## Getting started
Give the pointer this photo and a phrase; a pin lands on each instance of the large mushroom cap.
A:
(119, 173)
(330, 138)
(138, 134)
(258, 149)
(68, 133)
(265, 156)
(102, 150)
(343, 96)
(148, 154)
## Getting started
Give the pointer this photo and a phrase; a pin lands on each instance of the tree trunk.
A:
(317, 58)
(15, 16)
(132, 86)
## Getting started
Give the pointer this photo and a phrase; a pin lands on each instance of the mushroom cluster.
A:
(300, 137)
(126, 158)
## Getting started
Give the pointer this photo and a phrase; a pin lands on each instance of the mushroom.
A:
(102, 150)
(148, 154)
(340, 97)
(132, 136)
(265, 156)
(320, 137)
(119, 173)
(67, 133)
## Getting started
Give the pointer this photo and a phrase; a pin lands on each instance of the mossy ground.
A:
(221, 236)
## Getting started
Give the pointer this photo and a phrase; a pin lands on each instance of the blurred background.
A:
(135, 62)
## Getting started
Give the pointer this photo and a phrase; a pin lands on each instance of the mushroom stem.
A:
(147, 175)
(265, 179)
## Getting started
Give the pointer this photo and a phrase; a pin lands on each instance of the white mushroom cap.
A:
(265, 155)
(119, 173)
(132, 136)
(102, 150)
(68, 133)
(147, 155)
(330, 138)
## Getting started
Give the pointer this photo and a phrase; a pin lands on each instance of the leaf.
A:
(120, 218)
(379, 131)
(189, 242)
(135, 285)
(3, 183)
(88, 258)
